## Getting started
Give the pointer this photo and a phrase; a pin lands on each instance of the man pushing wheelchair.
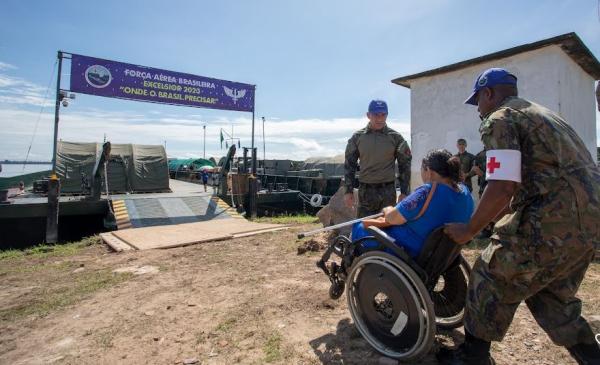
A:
(544, 192)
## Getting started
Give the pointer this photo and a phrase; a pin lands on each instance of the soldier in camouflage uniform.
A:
(543, 177)
(377, 147)
(466, 163)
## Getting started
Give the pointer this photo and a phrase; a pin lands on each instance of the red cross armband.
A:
(503, 165)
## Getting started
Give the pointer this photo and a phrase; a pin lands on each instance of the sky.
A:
(316, 64)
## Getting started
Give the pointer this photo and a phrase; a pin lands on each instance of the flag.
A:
(222, 138)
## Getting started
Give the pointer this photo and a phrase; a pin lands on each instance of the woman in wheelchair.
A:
(441, 199)
(410, 279)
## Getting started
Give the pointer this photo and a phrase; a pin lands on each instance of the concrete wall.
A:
(546, 76)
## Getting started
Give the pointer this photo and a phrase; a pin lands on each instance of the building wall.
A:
(546, 76)
(577, 101)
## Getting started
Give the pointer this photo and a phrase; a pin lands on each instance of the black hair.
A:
(442, 162)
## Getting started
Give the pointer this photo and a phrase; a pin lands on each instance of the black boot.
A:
(474, 351)
(585, 354)
(463, 356)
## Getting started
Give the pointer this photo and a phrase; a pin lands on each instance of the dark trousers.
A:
(373, 197)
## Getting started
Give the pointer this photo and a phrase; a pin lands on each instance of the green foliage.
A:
(42, 251)
(48, 299)
(272, 348)
(289, 219)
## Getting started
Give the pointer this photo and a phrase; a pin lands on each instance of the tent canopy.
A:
(131, 168)
(331, 166)
(193, 163)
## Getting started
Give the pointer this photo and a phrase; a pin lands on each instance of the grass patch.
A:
(272, 348)
(105, 338)
(43, 251)
(50, 299)
(31, 267)
(225, 325)
(289, 219)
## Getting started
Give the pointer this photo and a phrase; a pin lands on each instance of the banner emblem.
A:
(98, 76)
(234, 94)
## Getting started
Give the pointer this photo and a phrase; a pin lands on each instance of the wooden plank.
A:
(115, 243)
(238, 235)
(190, 233)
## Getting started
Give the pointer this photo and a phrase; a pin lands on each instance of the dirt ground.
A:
(251, 300)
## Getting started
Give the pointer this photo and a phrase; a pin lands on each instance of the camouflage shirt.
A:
(466, 163)
(560, 188)
(377, 151)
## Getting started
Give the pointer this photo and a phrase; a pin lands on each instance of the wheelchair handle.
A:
(339, 225)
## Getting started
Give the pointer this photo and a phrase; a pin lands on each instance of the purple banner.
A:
(112, 79)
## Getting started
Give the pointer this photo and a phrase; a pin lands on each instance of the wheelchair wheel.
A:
(450, 294)
(390, 306)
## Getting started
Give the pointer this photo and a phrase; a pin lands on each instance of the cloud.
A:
(7, 66)
(14, 90)
(285, 139)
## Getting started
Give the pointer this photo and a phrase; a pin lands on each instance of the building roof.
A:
(570, 43)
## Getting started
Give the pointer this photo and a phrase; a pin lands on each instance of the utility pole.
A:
(53, 181)
(264, 148)
(204, 143)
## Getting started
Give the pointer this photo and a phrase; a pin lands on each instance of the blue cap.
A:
(378, 106)
(488, 78)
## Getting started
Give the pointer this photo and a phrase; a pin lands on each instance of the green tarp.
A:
(131, 168)
(184, 164)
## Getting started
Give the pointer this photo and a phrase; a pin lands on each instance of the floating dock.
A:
(23, 218)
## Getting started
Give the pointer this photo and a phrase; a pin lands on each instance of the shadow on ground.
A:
(347, 346)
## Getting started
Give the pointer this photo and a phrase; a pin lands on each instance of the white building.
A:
(558, 73)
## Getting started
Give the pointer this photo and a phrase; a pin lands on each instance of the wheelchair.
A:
(397, 302)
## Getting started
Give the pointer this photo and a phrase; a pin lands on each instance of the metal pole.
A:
(204, 143)
(264, 148)
(252, 143)
(53, 181)
(339, 225)
(56, 111)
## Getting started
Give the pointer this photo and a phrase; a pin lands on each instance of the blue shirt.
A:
(204, 176)
(446, 206)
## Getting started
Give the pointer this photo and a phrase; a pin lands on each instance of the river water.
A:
(14, 170)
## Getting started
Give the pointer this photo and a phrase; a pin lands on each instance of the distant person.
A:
(441, 199)
(544, 184)
(376, 148)
(204, 177)
(466, 162)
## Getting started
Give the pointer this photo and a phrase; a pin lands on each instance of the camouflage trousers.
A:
(546, 275)
(373, 197)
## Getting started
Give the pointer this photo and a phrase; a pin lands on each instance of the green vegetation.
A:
(289, 219)
(225, 325)
(42, 251)
(105, 338)
(272, 348)
(50, 298)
